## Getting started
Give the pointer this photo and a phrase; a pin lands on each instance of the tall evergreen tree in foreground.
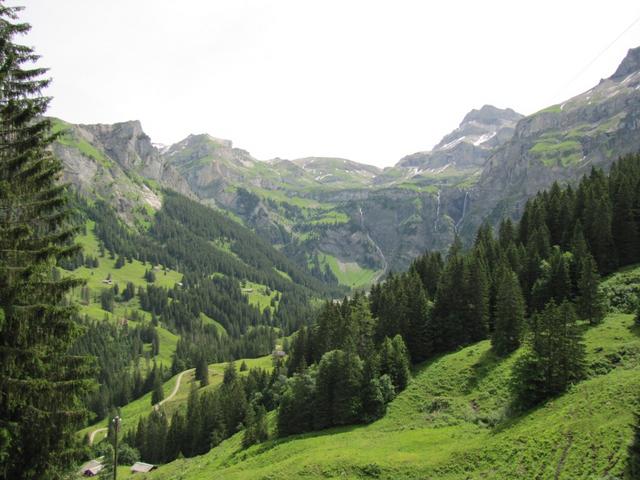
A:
(40, 383)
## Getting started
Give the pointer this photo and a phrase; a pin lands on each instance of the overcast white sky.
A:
(367, 80)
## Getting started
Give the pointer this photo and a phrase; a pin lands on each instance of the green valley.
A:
(190, 310)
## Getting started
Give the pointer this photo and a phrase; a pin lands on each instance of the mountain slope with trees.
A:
(454, 422)
(533, 292)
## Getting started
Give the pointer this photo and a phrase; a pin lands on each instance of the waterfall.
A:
(435, 223)
(464, 210)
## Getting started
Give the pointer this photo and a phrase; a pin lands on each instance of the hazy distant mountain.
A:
(356, 218)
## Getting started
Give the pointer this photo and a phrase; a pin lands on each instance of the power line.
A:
(597, 57)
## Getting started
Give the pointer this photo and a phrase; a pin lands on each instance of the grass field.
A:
(130, 272)
(454, 422)
(348, 273)
(259, 295)
(210, 321)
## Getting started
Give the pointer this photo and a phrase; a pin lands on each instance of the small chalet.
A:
(92, 468)
(141, 467)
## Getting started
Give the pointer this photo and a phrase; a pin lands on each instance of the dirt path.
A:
(175, 389)
(94, 433)
(173, 393)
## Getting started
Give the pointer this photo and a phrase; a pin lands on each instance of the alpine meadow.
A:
(189, 311)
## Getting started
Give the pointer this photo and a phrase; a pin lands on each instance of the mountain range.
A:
(356, 219)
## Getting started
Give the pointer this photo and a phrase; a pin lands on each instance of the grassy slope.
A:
(130, 272)
(257, 295)
(449, 424)
(350, 274)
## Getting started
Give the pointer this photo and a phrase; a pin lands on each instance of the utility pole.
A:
(116, 429)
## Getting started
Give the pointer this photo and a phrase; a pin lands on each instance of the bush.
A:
(623, 291)
(127, 455)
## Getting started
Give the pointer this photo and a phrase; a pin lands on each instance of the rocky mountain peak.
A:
(208, 139)
(469, 145)
(489, 114)
(630, 64)
(481, 127)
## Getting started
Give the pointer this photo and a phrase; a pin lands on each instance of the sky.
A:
(367, 80)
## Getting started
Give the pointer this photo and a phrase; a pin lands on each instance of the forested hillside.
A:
(192, 288)
(455, 421)
(528, 311)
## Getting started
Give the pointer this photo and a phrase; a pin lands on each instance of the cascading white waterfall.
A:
(464, 210)
(435, 222)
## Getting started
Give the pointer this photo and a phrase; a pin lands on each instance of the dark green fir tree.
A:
(41, 384)
(591, 302)
(509, 316)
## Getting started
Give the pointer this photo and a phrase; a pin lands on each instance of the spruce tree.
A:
(373, 401)
(249, 436)
(41, 384)
(509, 313)
(202, 371)
(361, 336)
(175, 437)
(476, 292)
(194, 420)
(233, 401)
(255, 426)
(158, 393)
(416, 334)
(298, 405)
(591, 302)
(623, 224)
(394, 361)
(560, 286)
(446, 328)
(554, 357)
(338, 399)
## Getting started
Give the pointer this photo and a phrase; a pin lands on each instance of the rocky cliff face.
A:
(115, 162)
(131, 148)
(563, 142)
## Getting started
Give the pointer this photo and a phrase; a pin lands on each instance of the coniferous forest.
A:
(200, 333)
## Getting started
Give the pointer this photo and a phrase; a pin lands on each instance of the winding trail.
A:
(175, 389)
(173, 393)
(94, 433)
